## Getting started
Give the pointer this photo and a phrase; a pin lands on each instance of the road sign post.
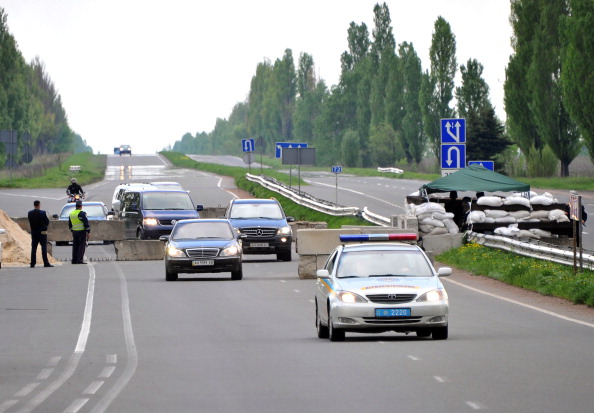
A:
(453, 145)
(336, 170)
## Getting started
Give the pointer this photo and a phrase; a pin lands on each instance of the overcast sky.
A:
(145, 72)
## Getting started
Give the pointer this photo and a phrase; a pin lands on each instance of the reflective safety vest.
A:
(77, 224)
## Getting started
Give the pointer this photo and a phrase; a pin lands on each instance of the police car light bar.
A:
(377, 237)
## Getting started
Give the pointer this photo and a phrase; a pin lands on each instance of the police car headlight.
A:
(175, 252)
(349, 297)
(230, 251)
(432, 296)
(150, 221)
(284, 231)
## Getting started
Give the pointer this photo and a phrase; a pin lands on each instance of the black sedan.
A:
(202, 246)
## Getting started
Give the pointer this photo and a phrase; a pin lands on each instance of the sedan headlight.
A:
(349, 297)
(433, 296)
(150, 222)
(175, 252)
(230, 251)
(284, 231)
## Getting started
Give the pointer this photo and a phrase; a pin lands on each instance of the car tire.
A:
(284, 256)
(237, 275)
(170, 276)
(321, 329)
(440, 333)
(334, 334)
(424, 333)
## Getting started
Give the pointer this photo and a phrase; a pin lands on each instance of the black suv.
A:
(264, 224)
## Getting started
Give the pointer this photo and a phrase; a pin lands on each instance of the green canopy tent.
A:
(474, 178)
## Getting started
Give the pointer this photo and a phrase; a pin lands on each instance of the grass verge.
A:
(545, 277)
(92, 170)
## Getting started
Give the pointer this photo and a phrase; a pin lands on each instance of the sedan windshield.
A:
(269, 211)
(93, 211)
(196, 230)
(383, 263)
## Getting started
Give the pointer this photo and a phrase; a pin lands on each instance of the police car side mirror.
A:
(55, 216)
(322, 274)
(290, 219)
(444, 272)
(199, 207)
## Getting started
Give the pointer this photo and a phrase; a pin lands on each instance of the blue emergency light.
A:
(377, 237)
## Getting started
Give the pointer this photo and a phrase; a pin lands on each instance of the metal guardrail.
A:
(375, 218)
(534, 249)
(303, 198)
(392, 170)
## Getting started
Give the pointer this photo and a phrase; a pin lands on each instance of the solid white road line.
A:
(509, 300)
(78, 351)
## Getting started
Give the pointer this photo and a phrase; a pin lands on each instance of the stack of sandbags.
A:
(433, 219)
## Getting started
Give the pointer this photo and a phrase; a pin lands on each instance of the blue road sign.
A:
(248, 145)
(490, 165)
(453, 156)
(336, 169)
(453, 131)
(280, 145)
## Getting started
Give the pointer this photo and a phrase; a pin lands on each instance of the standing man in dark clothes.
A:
(79, 225)
(39, 222)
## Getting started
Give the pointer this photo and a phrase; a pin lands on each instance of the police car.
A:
(378, 283)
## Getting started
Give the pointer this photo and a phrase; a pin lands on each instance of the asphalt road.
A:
(115, 337)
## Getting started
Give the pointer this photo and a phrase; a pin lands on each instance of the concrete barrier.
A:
(436, 244)
(213, 212)
(139, 250)
(58, 231)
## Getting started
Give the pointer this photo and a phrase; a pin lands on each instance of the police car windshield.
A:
(383, 263)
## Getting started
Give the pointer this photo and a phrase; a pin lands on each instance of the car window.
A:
(93, 211)
(166, 201)
(331, 262)
(271, 211)
(383, 263)
(202, 230)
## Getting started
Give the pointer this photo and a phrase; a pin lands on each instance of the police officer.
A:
(39, 222)
(79, 225)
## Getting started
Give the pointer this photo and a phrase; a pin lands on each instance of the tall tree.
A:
(473, 95)
(553, 122)
(411, 132)
(442, 55)
(577, 58)
(285, 87)
(517, 94)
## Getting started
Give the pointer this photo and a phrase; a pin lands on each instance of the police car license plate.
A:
(392, 312)
(202, 262)
(259, 244)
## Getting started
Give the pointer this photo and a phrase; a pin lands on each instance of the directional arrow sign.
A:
(490, 165)
(453, 156)
(280, 145)
(453, 130)
(247, 145)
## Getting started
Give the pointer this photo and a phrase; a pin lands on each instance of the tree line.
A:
(386, 109)
(31, 105)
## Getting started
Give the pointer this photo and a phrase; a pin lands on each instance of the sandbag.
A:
(520, 214)
(438, 231)
(476, 216)
(539, 214)
(451, 226)
(504, 220)
(541, 232)
(429, 207)
(431, 221)
(517, 200)
(493, 201)
(542, 200)
(527, 234)
(558, 215)
(496, 213)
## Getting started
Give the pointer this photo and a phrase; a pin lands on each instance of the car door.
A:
(131, 214)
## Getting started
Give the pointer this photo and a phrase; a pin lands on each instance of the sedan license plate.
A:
(202, 262)
(392, 312)
(259, 244)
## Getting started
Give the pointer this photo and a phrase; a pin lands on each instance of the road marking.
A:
(76, 405)
(509, 300)
(475, 405)
(54, 361)
(441, 379)
(45, 373)
(76, 355)
(132, 354)
(7, 405)
(112, 359)
(26, 390)
(356, 192)
(107, 372)
(297, 291)
(414, 358)
(93, 387)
